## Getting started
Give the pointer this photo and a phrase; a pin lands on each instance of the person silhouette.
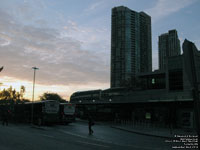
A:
(90, 124)
(5, 118)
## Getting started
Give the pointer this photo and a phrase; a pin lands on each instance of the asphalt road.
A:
(75, 137)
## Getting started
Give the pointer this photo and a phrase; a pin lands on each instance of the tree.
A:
(12, 95)
(22, 91)
(51, 96)
(5, 95)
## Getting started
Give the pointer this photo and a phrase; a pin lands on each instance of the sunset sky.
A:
(69, 40)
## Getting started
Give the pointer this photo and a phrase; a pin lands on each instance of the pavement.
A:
(139, 129)
(160, 132)
(156, 132)
(75, 136)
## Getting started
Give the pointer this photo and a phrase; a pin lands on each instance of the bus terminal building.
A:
(161, 97)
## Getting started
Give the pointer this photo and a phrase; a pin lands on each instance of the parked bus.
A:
(67, 113)
(41, 112)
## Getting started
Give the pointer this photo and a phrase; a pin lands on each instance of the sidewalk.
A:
(148, 131)
(156, 132)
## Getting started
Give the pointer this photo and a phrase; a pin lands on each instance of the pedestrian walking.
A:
(5, 118)
(90, 124)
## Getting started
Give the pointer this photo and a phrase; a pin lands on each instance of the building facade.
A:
(131, 49)
(165, 97)
(169, 45)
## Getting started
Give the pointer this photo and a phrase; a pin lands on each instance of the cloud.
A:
(94, 6)
(91, 38)
(165, 8)
(4, 40)
(61, 58)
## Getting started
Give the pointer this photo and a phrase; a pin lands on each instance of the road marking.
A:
(92, 144)
(108, 142)
(47, 135)
(73, 134)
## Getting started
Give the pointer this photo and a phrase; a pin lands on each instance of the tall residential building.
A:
(131, 48)
(169, 45)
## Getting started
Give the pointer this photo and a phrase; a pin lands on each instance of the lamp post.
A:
(34, 68)
(0, 71)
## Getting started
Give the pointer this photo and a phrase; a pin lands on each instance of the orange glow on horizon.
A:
(64, 91)
(6, 82)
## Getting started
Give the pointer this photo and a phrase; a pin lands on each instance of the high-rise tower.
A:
(131, 49)
(169, 45)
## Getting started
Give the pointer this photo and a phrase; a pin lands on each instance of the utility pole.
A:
(34, 68)
(1, 83)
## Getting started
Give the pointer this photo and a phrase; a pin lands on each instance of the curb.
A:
(141, 133)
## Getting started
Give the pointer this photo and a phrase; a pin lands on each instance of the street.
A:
(75, 136)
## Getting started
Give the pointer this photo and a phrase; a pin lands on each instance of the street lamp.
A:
(34, 68)
(0, 71)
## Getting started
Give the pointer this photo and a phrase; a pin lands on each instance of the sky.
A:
(69, 40)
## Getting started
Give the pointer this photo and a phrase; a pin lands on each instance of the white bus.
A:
(67, 113)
